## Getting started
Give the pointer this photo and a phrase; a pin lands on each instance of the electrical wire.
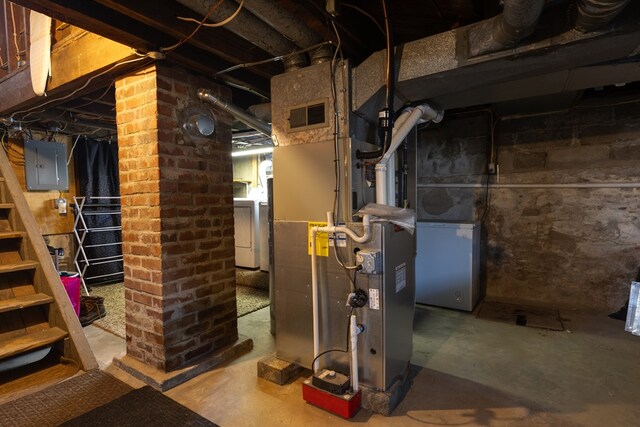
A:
(217, 24)
(336, 349)
(108, 70)
(390, 73)
(171, 48)
(15, 34)
(273, 59)
(365, 13)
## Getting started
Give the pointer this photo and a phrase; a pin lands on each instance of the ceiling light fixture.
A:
(265, 150)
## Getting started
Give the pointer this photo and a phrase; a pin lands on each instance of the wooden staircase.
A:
(36, 315)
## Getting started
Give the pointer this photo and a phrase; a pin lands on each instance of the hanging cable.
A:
(193, 33)
(389, 75)
(15, 34)
(108, 70)
(274, 59)
(217, 24)
(365, 13)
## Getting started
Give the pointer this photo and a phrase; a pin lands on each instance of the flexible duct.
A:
(517, 20)
(593, 14)
(292, 27)
(251, 28)
(237, 112)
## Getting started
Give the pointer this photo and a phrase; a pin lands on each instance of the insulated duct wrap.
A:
(593, 14)
(518, 20)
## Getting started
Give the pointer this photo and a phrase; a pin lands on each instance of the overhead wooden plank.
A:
(218, 41)
(24, 302)
(32, 341)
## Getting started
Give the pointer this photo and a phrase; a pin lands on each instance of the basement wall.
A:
(572, 247)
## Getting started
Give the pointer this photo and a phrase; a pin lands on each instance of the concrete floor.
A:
(466, 371)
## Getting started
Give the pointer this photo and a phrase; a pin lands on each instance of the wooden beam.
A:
(218, 41)
(122, 28)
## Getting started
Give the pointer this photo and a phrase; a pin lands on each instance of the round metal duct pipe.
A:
(517, 20)
(289, 25)
(237, 112)
(251, 28)
(593, 14)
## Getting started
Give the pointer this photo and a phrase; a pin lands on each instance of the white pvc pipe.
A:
(385, 169)
(330, 228)
(353, 332)
(575, 185)
(314, 299)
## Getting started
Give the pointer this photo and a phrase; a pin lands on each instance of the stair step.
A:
(14, 346)
(18, 266)
(7, 206)
(11, 234)
(24, 301)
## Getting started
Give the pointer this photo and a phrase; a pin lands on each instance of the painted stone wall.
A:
(577, 247)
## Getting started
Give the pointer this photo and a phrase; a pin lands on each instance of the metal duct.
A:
(291, 27)
(517, 21)
(237, 112)
(251, 28)
(593, 14)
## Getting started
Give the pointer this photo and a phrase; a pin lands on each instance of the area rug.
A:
(522, 315)
(249, 299)
(142, 407)
(63, 401)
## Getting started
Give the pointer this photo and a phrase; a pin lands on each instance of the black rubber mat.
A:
(141, 407)
(63, 401)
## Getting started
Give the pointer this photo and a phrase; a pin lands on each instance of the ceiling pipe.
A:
(292, 27)
(237, 112)
(593, 14)
(517, 21)
(251, 28)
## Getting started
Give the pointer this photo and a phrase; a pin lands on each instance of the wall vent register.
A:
(308, 116)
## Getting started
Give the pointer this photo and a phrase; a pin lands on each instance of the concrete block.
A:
(384, 402)
(277, 370)
(577, 155)
(528, 160)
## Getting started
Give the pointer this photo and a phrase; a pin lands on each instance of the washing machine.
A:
(246, 214)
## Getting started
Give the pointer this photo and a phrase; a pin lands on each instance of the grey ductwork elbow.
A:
(237, 112)
(593, 14)
(517, 21)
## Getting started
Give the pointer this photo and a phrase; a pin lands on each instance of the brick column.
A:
(177, 221)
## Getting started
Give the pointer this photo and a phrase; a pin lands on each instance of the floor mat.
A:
(522, 315)
(249, 299)
(141, 407)
(63, 401)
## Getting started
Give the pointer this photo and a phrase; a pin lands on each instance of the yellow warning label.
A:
(322, 239)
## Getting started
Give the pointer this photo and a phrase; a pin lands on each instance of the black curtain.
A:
(96, 166)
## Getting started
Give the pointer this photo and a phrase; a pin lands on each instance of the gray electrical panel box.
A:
(45, 165)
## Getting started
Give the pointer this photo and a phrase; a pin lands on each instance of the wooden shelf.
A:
(24, 301)
(18, 266)
(32, 341)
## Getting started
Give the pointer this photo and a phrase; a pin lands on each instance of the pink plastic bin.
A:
(71, 283)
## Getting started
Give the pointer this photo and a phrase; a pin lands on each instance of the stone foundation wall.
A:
(575, 247)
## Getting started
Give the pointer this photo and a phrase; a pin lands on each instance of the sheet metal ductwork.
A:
(237, 112)
(593, 14)
(517, 21)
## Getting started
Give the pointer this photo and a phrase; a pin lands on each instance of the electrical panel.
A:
(45, 165)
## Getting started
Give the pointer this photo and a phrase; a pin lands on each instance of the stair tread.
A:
(11, 234)
(7, 205)
(24, 301)
(18, 266)
(14, 346)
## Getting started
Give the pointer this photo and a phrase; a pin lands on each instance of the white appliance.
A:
(264, 235)
(447, 264)
(247, 236)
